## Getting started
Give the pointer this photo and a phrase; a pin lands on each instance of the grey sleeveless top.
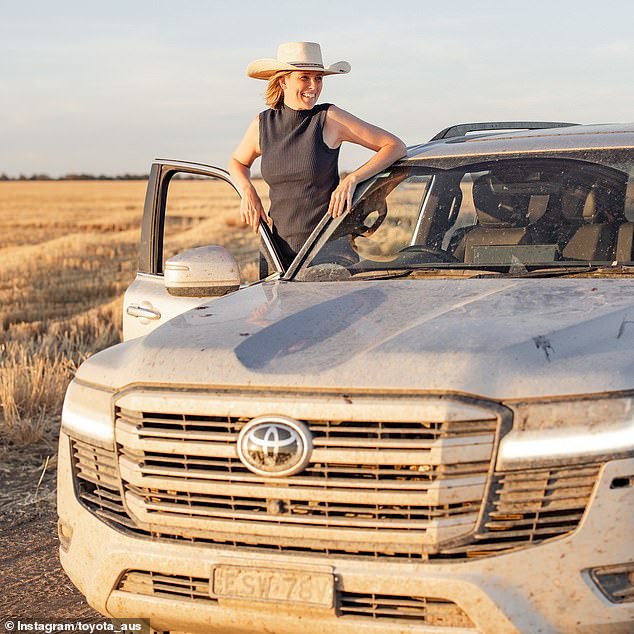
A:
(301, 171)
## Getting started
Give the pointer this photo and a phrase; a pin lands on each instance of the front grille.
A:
(350, 605)
(430, 611)
(97, 482)
(531, 506)
(154, 584)
(388, 486)
(398, 489)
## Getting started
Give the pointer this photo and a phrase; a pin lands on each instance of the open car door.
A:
(188, 205)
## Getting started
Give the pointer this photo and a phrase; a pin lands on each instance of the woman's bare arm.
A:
(251, 209)
(342, 126)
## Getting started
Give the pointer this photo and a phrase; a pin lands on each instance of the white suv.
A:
(426, 424)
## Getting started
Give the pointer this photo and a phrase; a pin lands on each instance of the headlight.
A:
(558, 431)
(88, 414)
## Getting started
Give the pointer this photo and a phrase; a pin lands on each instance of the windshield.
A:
(504, 217)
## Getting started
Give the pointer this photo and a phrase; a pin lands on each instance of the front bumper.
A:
(546, 588)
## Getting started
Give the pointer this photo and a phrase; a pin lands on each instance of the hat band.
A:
(306, 64)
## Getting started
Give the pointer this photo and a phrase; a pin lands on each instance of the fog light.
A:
(615, 582)
(65, 533)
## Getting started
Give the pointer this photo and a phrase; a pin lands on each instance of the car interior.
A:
(554, 212)
(531, 212)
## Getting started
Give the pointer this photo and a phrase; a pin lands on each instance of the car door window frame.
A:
(153, 224)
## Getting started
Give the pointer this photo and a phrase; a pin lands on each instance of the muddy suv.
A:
(425, 424)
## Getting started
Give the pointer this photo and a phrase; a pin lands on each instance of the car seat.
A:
(502, 219)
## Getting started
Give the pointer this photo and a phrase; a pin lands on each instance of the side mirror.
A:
(208, 271)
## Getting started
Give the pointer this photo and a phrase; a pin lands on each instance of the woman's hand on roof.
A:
(342, 126)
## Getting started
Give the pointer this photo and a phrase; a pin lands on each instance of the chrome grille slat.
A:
(107, 494)
(103, 459)
(295, 520)
(420, 429)
(460, 491)
(530, 522)
(330, 509)
(392, 443)
(336, 516)
(112, 504)
(299, 536)
(98, 480)
(484, 548)
(562, 474)
(399, 471)
(381, 478)
(547, 490)
(535, 533)
(118, 518)
(206, 436)
(232, 468)
(541, 504)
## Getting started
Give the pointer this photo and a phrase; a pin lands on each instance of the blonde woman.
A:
(299, 140)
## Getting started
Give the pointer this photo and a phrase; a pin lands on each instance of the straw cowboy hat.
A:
(295, 56)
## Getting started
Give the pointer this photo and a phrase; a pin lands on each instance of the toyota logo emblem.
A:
(274, 446)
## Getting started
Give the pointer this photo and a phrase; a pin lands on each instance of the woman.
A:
(299, 143)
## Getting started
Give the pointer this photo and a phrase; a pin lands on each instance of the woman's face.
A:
(301, 89)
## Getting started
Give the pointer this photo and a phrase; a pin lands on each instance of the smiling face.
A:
(301, 89)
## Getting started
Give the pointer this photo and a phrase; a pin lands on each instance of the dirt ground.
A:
(34, 586)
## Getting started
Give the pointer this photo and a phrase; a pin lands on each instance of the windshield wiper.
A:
(383, 274)
(558, 271)
(571, 270)
(467, 272)
(455, 271)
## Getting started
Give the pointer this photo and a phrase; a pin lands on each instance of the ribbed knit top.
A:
(300, 169)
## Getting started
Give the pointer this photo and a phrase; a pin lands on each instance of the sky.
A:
(105, 87)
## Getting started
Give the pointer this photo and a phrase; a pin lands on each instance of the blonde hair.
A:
(274, 95)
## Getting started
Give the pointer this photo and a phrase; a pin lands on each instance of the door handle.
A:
(141, 311)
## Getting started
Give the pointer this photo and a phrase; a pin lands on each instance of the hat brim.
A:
(266, 68)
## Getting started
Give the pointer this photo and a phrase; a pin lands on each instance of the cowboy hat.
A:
(295, 56)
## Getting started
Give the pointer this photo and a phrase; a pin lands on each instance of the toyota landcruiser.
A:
(425, 424)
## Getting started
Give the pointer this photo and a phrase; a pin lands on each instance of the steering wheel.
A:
(439, 254)
(364, 231)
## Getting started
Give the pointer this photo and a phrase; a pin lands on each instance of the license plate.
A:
(273, 584)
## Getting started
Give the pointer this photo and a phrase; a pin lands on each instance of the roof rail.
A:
(463, 128)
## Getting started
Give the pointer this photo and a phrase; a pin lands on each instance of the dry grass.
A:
(38, 362)
(205, 212)
(69, 252)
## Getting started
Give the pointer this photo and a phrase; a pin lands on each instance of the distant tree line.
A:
(74, 177)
